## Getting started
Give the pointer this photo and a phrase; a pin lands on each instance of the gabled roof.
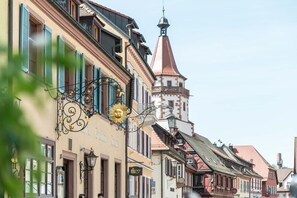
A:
(249, 153)
(215, 149)
(283, 173)
(157, 143)
(206, 154)
(119, 19)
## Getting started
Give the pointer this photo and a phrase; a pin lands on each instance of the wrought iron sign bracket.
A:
(75, 104)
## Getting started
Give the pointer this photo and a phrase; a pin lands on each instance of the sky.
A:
(240, 59)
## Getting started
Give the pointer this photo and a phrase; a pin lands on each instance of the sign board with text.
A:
(135, 171)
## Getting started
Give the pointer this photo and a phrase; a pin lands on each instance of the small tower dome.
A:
(163, 24)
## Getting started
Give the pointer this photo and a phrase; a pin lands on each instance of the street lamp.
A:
(172, 123)
(91, 162)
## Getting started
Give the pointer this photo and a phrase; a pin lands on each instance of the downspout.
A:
(161, 174)
(127, 131)
(126, 160)
(129, 26)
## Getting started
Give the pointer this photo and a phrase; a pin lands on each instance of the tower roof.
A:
(163, 62)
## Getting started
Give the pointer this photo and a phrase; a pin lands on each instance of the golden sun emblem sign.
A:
(118, 113)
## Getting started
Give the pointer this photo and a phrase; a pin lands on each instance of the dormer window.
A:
(71, 6)
(74, 9)
(96, 33)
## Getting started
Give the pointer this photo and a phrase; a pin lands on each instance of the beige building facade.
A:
(133, 57)
(65, 173)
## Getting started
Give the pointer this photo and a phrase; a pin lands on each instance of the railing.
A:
(171, 90)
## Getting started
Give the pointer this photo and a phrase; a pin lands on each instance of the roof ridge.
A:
(109, 9)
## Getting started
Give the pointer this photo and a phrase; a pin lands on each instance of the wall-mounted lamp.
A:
(91, 162)
(14, 161)
(60, 181)
(60, 175)
(172, 123)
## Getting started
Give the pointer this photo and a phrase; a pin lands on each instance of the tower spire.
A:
(163, 23)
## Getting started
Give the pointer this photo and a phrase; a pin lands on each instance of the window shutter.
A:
(83, 78)
(166, 167)
(99, 91)
(111, 93)
(140, 142)
(149, 147)
(48, 55)
(95, 90)
(24, 36)
(77, 76)
(61, 67)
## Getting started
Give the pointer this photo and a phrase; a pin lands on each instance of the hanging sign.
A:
(135, 171)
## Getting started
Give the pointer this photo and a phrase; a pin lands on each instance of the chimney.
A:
(279, 160)
(295, 153)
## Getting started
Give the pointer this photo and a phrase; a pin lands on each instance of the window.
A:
(117, 180)
(31, 28)
(169, 83)
(132, 185)
(45, 187)
(180, 171)
(87, 79)
(87, 178)
(198, 180)
(104, 177)
(69, 73)
(96, 33)
(108, 95)
(34, 53)
(171, 103)
(184, 106)
(180, 84)
(74, 9)
(137, 90)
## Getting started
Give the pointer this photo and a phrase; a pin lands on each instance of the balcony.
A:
(171, 90)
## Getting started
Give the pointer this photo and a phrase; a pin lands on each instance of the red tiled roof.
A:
(157, 143)
(250, 153)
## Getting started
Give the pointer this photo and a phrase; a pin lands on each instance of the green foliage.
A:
(17, 138)
(16, 135)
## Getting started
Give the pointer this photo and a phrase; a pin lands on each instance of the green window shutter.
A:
(83, 77)
(99, 90)
(95, 90)
(24, 36)
(48, 55)
(61, 67)
(77, 76)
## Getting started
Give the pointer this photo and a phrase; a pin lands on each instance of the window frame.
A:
(48, 160)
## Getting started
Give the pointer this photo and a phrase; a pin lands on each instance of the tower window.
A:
(169, 83)
(170, 103)
(180, 84)
(184, 106)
